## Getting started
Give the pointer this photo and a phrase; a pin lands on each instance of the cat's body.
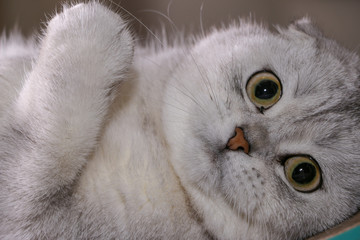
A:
(101, 143)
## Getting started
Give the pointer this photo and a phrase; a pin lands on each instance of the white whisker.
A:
(175, 30)
(168, 8)
(189, 95)
(138, 20)
(173, 26)
(201, 19)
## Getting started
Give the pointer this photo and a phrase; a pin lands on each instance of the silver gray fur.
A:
(100, 142)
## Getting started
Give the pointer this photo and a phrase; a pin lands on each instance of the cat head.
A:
(295, 95)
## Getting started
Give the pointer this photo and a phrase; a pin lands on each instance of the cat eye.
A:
(303, 173)
(263, 89)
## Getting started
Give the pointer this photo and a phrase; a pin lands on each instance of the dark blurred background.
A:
(337, 18)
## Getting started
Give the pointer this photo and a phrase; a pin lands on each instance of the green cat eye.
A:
(263, 89)
(303, 173)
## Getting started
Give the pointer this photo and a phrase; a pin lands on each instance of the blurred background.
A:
(339, 19)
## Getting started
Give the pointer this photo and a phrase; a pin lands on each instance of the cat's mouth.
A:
(238, 142)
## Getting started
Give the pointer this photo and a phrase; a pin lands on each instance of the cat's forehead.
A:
(251, 45)
(306, 62)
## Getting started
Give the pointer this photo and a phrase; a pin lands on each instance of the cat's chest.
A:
(130, 168)
(129, 177)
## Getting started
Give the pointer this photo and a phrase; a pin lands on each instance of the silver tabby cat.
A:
(242, 134)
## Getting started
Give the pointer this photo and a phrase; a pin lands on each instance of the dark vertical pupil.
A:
(304, 173)
(266, 89)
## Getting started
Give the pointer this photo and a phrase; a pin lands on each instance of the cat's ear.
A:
(305, 25)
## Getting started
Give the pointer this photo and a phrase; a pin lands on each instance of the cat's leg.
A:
(57, 119)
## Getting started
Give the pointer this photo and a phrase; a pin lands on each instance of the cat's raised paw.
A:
(91, 35)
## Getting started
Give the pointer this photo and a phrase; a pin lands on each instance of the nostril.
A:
(238, 141)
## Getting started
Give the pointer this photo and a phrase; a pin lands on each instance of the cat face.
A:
(300, 175)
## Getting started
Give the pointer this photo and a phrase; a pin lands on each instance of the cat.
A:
(244, 133)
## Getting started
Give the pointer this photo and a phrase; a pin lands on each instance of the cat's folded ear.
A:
(305, 25)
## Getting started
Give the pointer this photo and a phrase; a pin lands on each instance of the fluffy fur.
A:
(99, 141)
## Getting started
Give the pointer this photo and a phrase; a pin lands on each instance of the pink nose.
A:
(238, 141)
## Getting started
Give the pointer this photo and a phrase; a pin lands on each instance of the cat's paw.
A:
(86, 20)
(91, 35)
